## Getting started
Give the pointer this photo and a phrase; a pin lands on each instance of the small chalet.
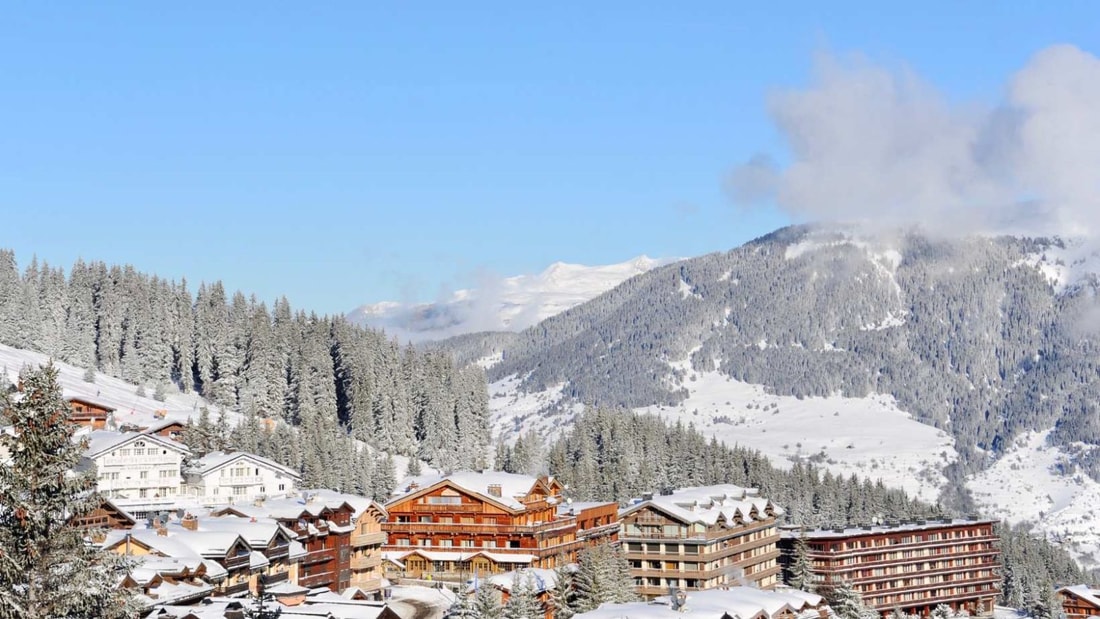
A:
(87, 413)
(106, 515)
(1080, 601)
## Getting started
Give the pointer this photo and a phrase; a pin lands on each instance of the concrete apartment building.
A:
(913, 565)
(701, 538)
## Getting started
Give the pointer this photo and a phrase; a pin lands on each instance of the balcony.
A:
(319, 556)
(237, 589)
(251, 480)
(274, 579)
(369, 539)
(365, 563)
(475, 529)
(237, 562)
(712, 533)
(321, 579)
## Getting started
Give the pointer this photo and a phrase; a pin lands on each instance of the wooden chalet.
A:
(85, 412)
(1080, 601)
(448, 527)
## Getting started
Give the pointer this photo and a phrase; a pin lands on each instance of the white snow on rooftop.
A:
(512, 486)
(709, 504)
(736, 602)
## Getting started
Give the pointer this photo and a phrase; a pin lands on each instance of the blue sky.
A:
(349, 153)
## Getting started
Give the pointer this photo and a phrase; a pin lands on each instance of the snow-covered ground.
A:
(113, 392)
(513, 413)
(868, 436)
(1025, 485)
(502, 304)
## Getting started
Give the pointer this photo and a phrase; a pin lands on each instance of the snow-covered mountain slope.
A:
(890, 357)
(870, 437)
(508, 304)
(116, 393)
(1040, 484)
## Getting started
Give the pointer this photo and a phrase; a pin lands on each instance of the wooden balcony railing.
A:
(369, 539)
(365, 563)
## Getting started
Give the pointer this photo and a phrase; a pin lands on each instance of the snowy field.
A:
(1025, 486)
(870, 437)
(113, 392)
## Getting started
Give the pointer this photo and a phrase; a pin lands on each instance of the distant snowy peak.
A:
(504, 304)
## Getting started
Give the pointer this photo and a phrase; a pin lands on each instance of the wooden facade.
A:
(366, 550)
(1080, 601)
(463, 524)
(88, 413)
(327, 562)
(911, 566)
(105, 516)
(701, 538)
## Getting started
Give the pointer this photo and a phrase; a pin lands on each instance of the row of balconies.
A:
(952, 569)
(892, 600)
(815, 549)
(710, 552)
(831, 564)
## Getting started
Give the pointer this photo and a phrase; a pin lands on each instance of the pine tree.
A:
(563, 596)
(523, 603)
(462, 608)
(846, 602)
(47, 568)
(487, 602)
(801, 570)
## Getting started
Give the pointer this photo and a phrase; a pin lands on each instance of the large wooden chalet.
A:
(452, 526)
(85, 412)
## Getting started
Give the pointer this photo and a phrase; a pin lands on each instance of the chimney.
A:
(413, 487)
(190, 522)
(494, 490)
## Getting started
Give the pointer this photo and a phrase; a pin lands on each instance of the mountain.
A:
(965, 368)
(508, 304)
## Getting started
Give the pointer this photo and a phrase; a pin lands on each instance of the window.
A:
(143, 475)
(125, 453)
(139, 451)
(403, 542)
(282, 486)
(167, 473)
(445, 500)
(143, 493)
(425, 519)
(240, 490)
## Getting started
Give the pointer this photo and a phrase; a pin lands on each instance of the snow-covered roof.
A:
(918, 525)
(541, 579)
(1084, 592)
(288, 508)
(216, 460)
(258, 533)
(736, 602)
(102, 441)
(512, 486)
(708, 504)
(439, 555)
(359, 503)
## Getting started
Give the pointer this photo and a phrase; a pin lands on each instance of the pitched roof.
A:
(735, 602)
(102, 441)
(512, 486)
(1085, 592)
(216, 460)
(708, 504)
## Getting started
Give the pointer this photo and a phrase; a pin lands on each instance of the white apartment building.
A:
(219, 478)
(138, 472)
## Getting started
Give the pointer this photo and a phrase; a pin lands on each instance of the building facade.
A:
(220, 478)
(138, 472)
(448, 527)
(701, 538)
(1080, 601)
(913, 566)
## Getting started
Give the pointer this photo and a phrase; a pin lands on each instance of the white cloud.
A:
(872, 144)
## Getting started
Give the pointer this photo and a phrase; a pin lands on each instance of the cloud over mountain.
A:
(876, 144)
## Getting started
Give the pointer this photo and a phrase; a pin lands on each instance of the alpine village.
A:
(121, 497)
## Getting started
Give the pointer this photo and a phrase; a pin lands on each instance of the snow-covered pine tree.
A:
(801, 574)
(846, 602)
(523, 602)
(487, 602)
(563, 595)
(462, 608)
(48, 568)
